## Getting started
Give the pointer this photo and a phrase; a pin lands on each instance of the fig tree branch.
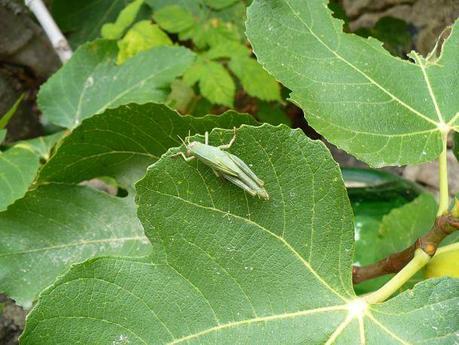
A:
(444, 225)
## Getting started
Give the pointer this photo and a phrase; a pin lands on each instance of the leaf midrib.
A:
(429, 87)
(258, 319)
(73, 244)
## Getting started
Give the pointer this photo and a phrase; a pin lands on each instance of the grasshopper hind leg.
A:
(240, 184)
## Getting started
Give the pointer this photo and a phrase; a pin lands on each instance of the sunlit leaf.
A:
(114, 31)
(350, 87)
(215, 83)
(141, 37)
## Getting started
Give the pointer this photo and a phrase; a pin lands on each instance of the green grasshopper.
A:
(225, 164)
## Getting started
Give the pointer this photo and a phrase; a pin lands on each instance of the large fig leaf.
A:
(91, 81)
(122, 142)
(233, 269)
(54, 226)
(381, 109)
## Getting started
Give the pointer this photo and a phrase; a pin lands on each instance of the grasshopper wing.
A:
(240, 163)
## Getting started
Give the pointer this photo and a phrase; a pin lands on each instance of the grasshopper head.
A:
(188, 145)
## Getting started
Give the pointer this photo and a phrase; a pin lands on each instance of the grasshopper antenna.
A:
(182, 140)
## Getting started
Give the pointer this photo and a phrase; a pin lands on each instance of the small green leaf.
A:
(122, 142)
(193, 74)
(236, 270)
(212, 33)
(83, 19)
(227, 50)
(174, 18)
(349, 86)
(234, 13)
(254, 79)
(2, 135)
(216, 84)
(114, 31)
(91, 82)
(18, 166)
(55, 226)
(9, 114)
(181, 96)
(217, 33)
(141, 37)
(219, 4)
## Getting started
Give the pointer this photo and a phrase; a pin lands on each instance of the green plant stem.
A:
(443, 177)
(419, 260)
(394, 263)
